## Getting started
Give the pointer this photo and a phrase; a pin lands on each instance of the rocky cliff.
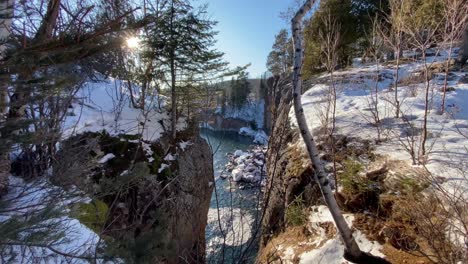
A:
(155, 195)
(290, 174)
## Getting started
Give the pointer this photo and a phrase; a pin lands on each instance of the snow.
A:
(331, 252)
(28, 198)
(447, 146)
(184, 144)
(246, 166)
(105, 104)
(163, 167)
(238, 153)
(106, 158)
(169, 157)
(236, 223)
(251, 111)
(260, 137)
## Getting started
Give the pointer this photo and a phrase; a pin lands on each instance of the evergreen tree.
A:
(52, 60)
(240, 90)
(342, 12)
(355, 18)
(280, 58)
(182, 45)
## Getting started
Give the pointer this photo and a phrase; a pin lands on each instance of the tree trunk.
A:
(173, 80)
(397, 76)
(447, 68)
(173, 101)
(463, 55)
(422, 150)
(6, 15)
(352, 250)
(50, 20)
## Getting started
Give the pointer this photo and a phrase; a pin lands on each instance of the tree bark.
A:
(422, 151)
(173, 81)
(6, 15)
(447, 68)
(397, 76)
(352, 250)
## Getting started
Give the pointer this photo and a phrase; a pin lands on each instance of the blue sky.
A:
(247, 29)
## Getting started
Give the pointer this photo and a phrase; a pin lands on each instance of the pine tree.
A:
(240, 90)
(280, 58)
(183, 43)
(49, 62)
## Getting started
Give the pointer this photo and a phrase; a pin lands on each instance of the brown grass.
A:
(297, 238)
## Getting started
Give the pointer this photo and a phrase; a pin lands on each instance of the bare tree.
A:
(456, 15)
(330, 39)
(423, 33)
(392, 34)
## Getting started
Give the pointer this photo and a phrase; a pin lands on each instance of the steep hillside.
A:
(384, 192)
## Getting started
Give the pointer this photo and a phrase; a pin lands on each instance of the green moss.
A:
(93, 214)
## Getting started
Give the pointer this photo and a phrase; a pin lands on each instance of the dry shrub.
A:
(412, 79)
(440, 225)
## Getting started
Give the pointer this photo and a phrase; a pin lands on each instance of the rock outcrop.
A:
(157, 194)
(289, 172)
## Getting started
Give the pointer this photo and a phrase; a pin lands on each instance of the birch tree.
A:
(6, 15)
(352, 251)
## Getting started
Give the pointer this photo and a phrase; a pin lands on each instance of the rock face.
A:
(4, 173)
(289, 172)
(157, 194)
(191, 202)
(218, 122)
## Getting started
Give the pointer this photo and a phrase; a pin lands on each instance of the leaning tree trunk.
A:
(6, 15)
(352, 251)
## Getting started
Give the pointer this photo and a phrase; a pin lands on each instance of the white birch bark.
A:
(6, 16)
(351, 247)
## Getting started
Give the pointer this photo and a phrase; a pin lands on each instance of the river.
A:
(232, 230)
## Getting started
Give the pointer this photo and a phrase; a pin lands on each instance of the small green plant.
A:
(93, 214)
(350, 180)
(412, 186)
(296, 213)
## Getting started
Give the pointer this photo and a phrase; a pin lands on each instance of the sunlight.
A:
(133, 42)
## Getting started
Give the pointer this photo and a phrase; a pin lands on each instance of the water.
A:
(232, 230)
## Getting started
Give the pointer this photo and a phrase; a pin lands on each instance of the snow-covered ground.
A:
(331, 250)
(105, 104)
(27, 201)
(447, 144)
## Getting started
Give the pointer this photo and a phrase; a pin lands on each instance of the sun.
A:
(133, 42)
